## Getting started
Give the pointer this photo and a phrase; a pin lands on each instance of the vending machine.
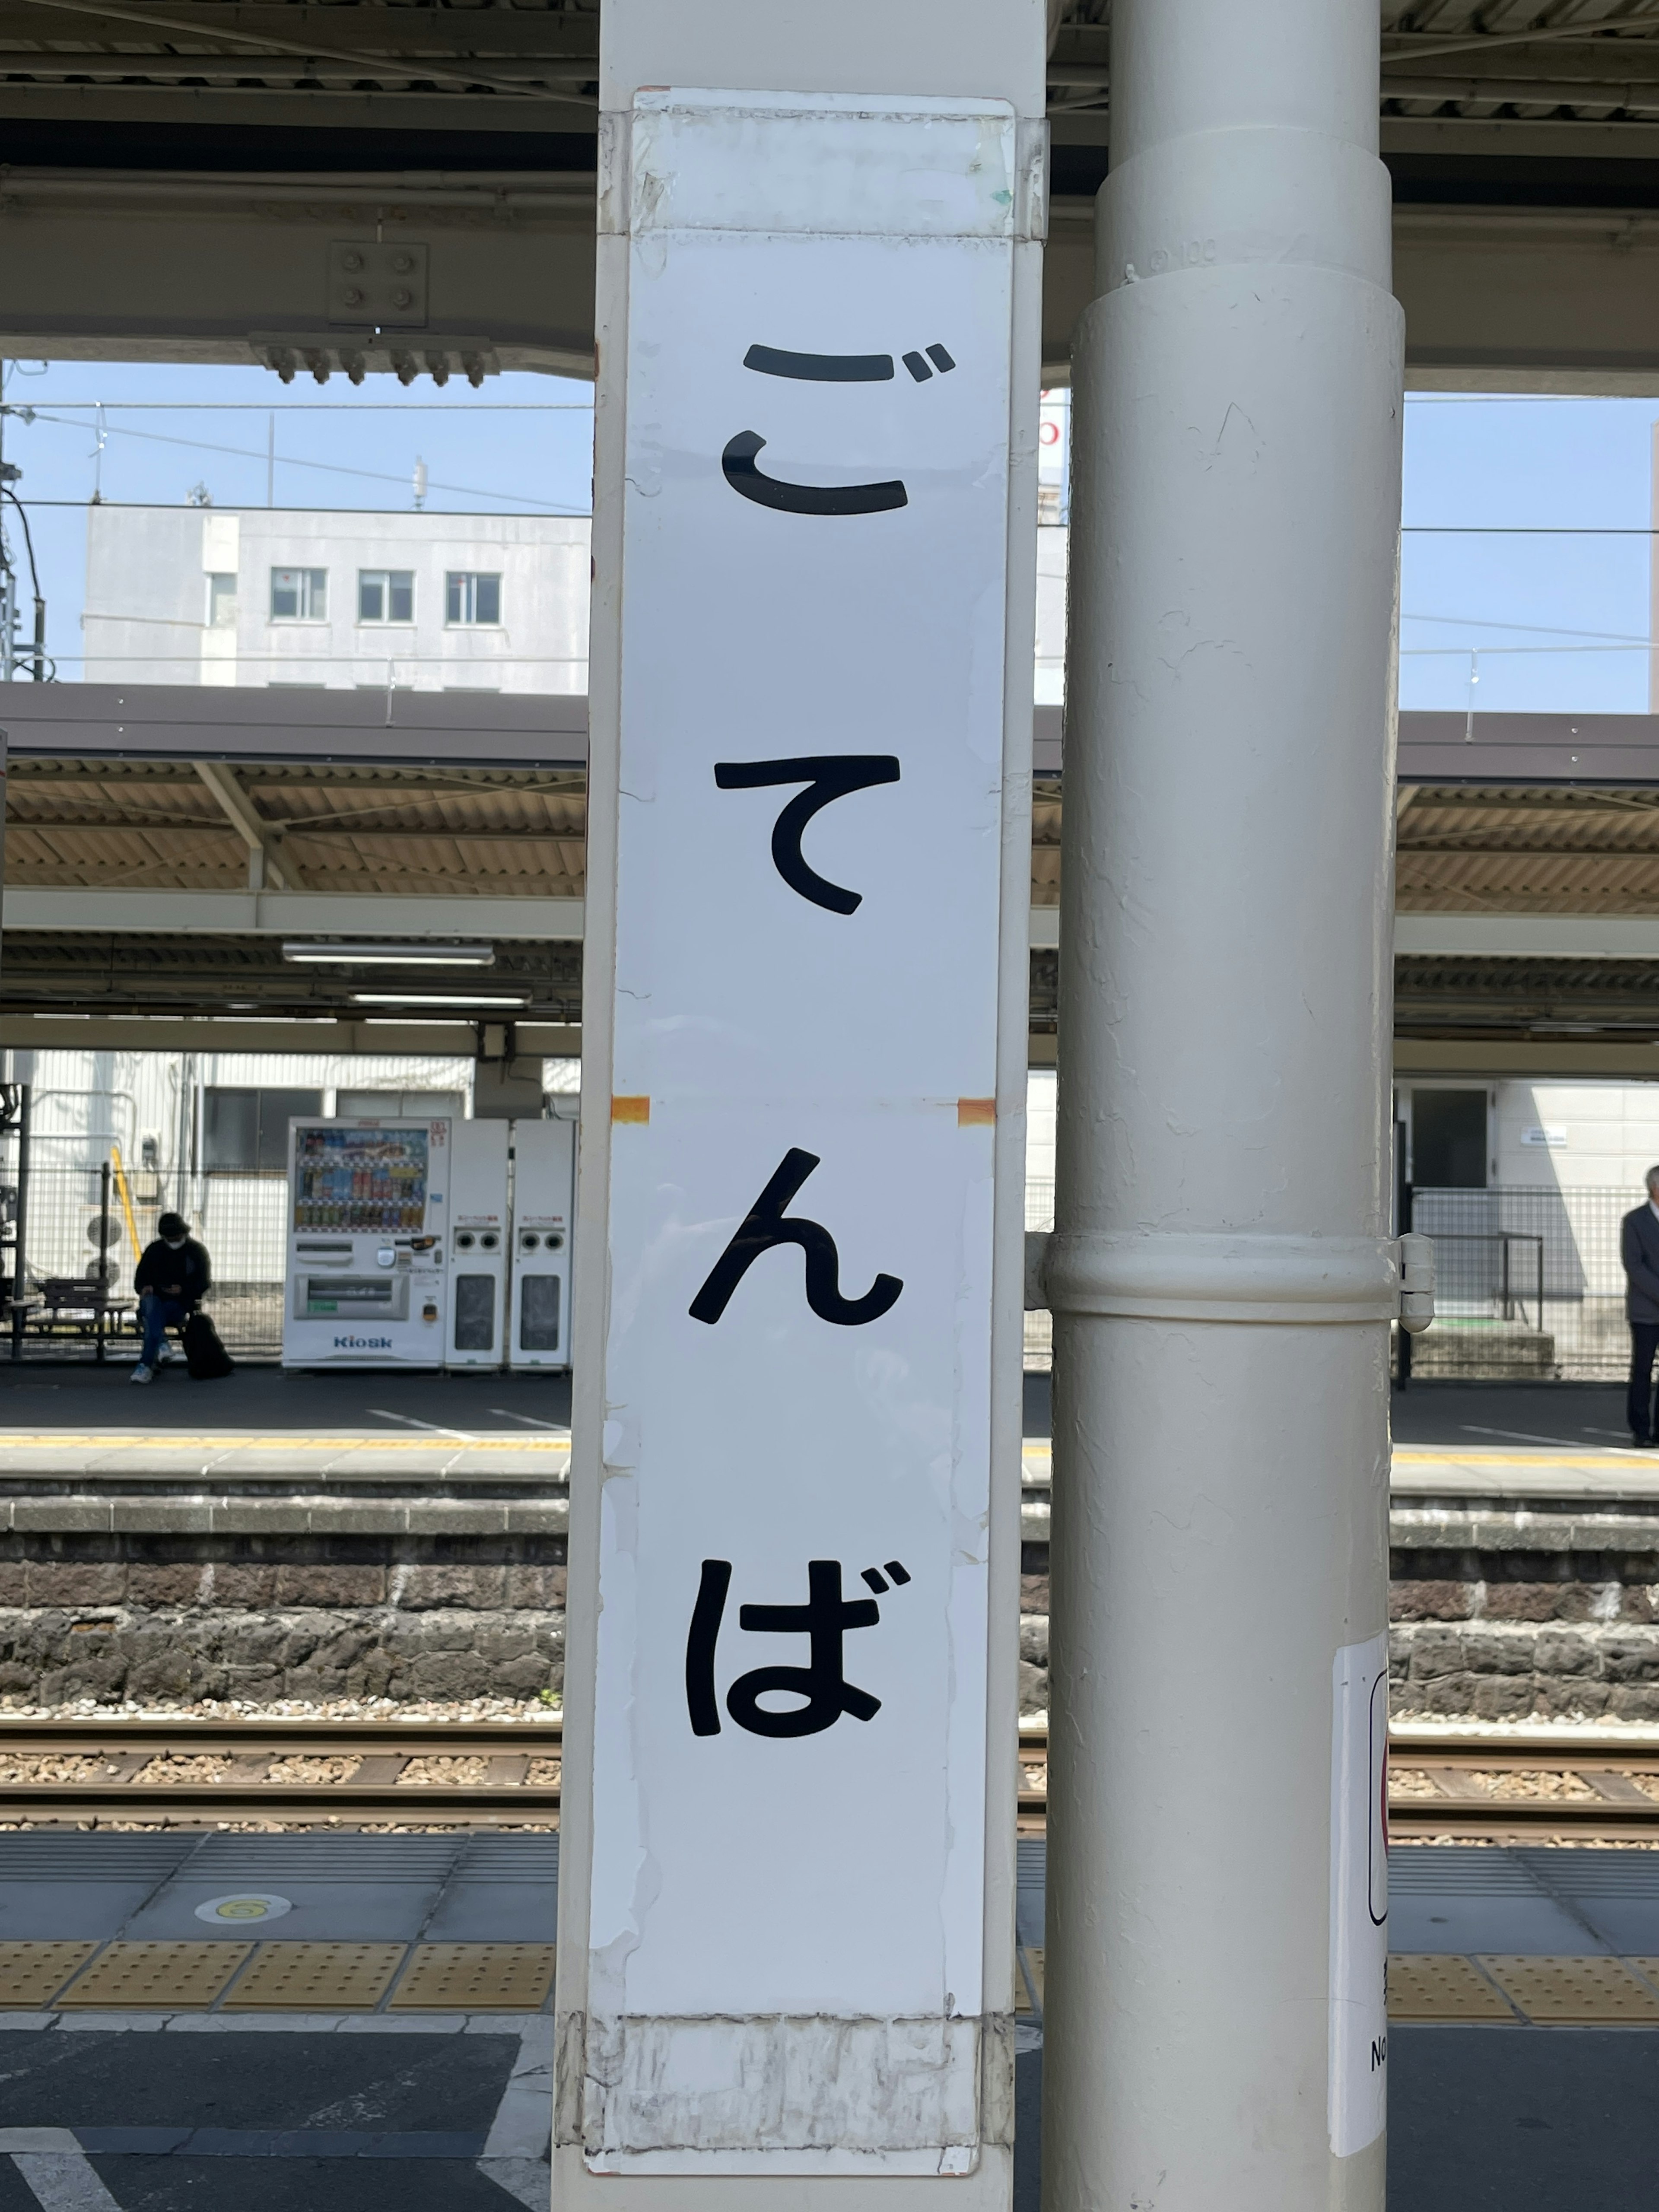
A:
(368, 1239)
(478, 1245)
(544, 1213)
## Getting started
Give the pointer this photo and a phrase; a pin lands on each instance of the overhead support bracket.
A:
(267, 864)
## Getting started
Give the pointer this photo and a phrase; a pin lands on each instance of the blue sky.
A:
(1546, 613)
(521, 446)
(1489, 483)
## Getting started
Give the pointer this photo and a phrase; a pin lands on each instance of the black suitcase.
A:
(205, 1356)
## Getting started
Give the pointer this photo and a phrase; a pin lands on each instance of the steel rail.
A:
(1608, 1802)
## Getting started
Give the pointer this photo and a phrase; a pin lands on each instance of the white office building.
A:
(286, 597)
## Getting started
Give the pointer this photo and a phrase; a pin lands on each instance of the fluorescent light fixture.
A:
(308, 952)
(430, 999)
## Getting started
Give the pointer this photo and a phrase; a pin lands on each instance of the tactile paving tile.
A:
(476, 1978)
(1595, 1989)
(1031, 1956)
(156, 1977)
(1433, 1986)
(316, 1978)
(31, 1974)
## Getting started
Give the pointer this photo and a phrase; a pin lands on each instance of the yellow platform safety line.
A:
(1478, 1456)
(126, 1200)
(224, 1441)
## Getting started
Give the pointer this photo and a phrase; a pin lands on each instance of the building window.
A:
(385, 595)
(400, 1105)
(472, 600)
(221, 602)
(246, 1132)
(299, 594)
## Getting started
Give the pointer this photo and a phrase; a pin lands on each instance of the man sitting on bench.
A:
(171, 1280)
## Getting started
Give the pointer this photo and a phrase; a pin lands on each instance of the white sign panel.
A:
(785, 1935)
(1358, 2094)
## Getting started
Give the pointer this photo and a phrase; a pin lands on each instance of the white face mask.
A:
(176, 1243)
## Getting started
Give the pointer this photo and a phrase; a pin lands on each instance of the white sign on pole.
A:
(785, 1938)
(1358, 2089)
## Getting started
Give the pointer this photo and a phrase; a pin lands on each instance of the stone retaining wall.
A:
(145, 1599)
(1499, 1610)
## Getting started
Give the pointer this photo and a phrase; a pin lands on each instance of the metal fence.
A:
(1528, 1284)
(83, 1229)
(1039, 1326)
(1528, 1281)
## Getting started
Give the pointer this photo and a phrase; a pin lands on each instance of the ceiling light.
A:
(308, 952)
(430, 999)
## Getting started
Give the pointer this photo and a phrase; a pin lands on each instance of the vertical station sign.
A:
(786, 1907)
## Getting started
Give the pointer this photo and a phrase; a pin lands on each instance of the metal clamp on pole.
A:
(1416, 1282)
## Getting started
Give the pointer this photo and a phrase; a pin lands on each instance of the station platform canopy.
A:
(184, 181)
(171, 849)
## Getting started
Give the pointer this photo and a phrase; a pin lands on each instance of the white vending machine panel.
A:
(479, 1245)
(543, 1212)
(368, 1221)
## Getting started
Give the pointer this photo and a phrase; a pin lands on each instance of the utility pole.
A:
(10, 659)
(1220, 1277)
(8, 574)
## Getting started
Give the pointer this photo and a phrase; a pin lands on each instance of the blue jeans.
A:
(158, 1314)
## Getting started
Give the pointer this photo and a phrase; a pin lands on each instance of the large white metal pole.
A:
(1216, 1890)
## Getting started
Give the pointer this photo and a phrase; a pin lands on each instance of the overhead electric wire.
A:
(331, 468)
(1536, 629)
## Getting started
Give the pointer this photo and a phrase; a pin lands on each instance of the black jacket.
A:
(162, 1268)
(1639, 1249)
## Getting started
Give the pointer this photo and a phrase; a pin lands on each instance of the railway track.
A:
(1471, 1788)
(197, 1773)
(300, 1773)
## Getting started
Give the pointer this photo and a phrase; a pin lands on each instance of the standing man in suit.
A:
(1638, 1247)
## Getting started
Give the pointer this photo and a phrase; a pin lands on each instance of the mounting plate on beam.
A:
(383, 284)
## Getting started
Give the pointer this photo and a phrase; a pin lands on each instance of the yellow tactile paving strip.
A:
(1575, 1989)
(31, 1974)
(333, 1977)
(1427, 1986)
(156, 1977)
(292, 1977)
(316, 1978)
(476, 1977)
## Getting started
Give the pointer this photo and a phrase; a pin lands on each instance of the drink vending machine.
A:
(478, 1243)
(543, 1214)
(367, 1238)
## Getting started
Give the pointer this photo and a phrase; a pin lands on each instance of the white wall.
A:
(1600, 1134)
(1053, 545)
(147, 599)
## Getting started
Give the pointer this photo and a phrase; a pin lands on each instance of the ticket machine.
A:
(367, 1243)
(478, 1245)
(544, 1213)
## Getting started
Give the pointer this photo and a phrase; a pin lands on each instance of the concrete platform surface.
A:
(93, 2117)
(38, 1396)
(1550, 2121)
(327, 1887)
